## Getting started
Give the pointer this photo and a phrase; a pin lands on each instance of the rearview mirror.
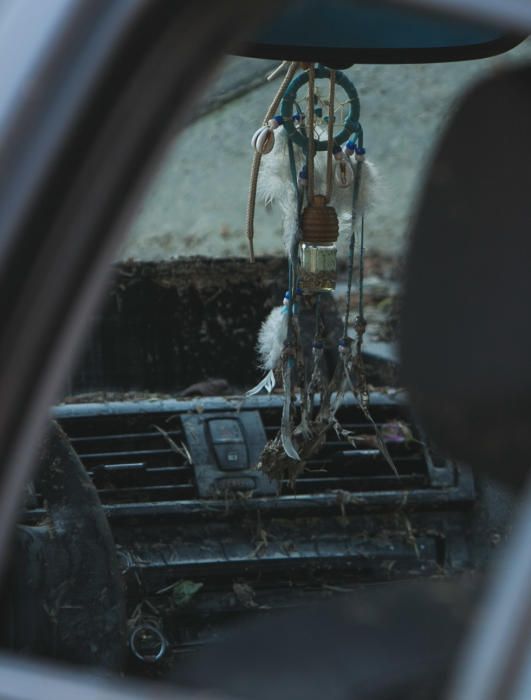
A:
(339, 33)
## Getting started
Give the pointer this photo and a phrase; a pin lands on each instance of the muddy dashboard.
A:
(204, 537)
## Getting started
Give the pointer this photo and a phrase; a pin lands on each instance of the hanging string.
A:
(352, 245)
(311, 132)
(330, 149)
(362, 388)
(292, 342)
(257, 158)
(277, 71)
(362, 268)
(317, 354)
(293, 257)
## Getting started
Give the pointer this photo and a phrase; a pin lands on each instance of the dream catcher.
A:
(310, 161)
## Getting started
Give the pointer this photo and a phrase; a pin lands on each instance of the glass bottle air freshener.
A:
(318, 251)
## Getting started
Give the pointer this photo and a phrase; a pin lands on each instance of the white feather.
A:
(272, 337)
(268, 383)
(275, 175)
(290, 220)
(370, 194)
(275, 185)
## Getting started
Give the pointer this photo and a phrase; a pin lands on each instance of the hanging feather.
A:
(274, 188)
(271, 340)
(272, 337)
(369, 194)
(275, 175)
(268, 383)
(370, 186)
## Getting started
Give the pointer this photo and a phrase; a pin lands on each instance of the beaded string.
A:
(362, 267)
(257, 159)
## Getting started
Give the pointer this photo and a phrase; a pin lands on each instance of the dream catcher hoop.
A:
(292, 119)
(314, 168)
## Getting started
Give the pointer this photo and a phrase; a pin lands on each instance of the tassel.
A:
(316, 379)
(343, 368)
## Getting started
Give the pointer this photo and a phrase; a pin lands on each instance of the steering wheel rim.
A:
(67, 599)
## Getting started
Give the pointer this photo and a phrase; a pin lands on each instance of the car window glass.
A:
(196, 203)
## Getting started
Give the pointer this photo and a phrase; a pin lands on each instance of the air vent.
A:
(133, 451)
(133, 458)
(359, 465)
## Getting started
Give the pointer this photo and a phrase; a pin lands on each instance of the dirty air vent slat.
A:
(377, 483)
(132, 458)
(127, 436)
(133, 451)
(151, 493)
(357, 464)
(99, 456)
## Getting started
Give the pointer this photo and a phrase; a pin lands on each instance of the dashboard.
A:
(204, 537)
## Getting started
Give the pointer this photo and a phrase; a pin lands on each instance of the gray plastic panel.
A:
(214, 480)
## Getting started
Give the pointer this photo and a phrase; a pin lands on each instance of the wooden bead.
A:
(320, 225)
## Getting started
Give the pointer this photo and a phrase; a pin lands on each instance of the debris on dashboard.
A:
(194, 560)
(210, 387)
(179, 326)
(169, 325)
(245, 594)
(182, 592)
